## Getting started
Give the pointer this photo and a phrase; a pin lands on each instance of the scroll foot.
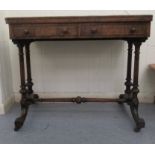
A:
(20, 120)
(140, 123)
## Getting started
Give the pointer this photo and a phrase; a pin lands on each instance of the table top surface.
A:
(57, 19)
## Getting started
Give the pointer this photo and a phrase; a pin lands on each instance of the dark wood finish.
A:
(129, 67)
(78, 100)
(115, 30)
(128, 82)
(135, 102)
(24, 108)
(28, 66)
(79, 27)
(79, 19)
(74, 31)
(133, 29)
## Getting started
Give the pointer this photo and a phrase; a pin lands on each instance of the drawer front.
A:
(113, 30)
(80, 31)
(46, 31)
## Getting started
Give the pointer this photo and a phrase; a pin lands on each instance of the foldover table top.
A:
(76, 19)
(80, 27)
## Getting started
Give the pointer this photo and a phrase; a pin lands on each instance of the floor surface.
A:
(68, 123)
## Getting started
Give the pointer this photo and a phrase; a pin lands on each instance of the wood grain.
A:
(99, 27)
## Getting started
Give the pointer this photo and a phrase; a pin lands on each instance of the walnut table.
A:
(133, 29)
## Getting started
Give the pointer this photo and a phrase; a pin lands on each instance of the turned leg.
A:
(128, 83)
(24, 106)
(29, 83)
(134, 102)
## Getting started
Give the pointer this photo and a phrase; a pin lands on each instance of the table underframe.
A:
(130, 96)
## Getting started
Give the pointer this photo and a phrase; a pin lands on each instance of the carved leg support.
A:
(128, 83)
(130, 96)
(140, 123)
(20, 120)
(24, 108)
(134, 103)
(27, 96)
(29, 83)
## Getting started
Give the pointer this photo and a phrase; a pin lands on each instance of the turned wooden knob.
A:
(94, 30)
(26, 32)
(133, 30)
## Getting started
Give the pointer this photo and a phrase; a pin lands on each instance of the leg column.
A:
(128, 83)
(134, 103)
(24, 106)
(29, 83)
(28, 66)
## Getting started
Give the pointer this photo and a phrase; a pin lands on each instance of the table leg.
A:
(29, 83)
(30, 95)
(128, 83)
(134, 103)
(24, 106)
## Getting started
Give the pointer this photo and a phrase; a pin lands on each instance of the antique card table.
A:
(133, 29)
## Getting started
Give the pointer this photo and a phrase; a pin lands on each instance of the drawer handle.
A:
(26, 32)
(133, 30)
(93, 30)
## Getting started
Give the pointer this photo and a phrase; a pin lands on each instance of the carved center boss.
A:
(132, 29)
